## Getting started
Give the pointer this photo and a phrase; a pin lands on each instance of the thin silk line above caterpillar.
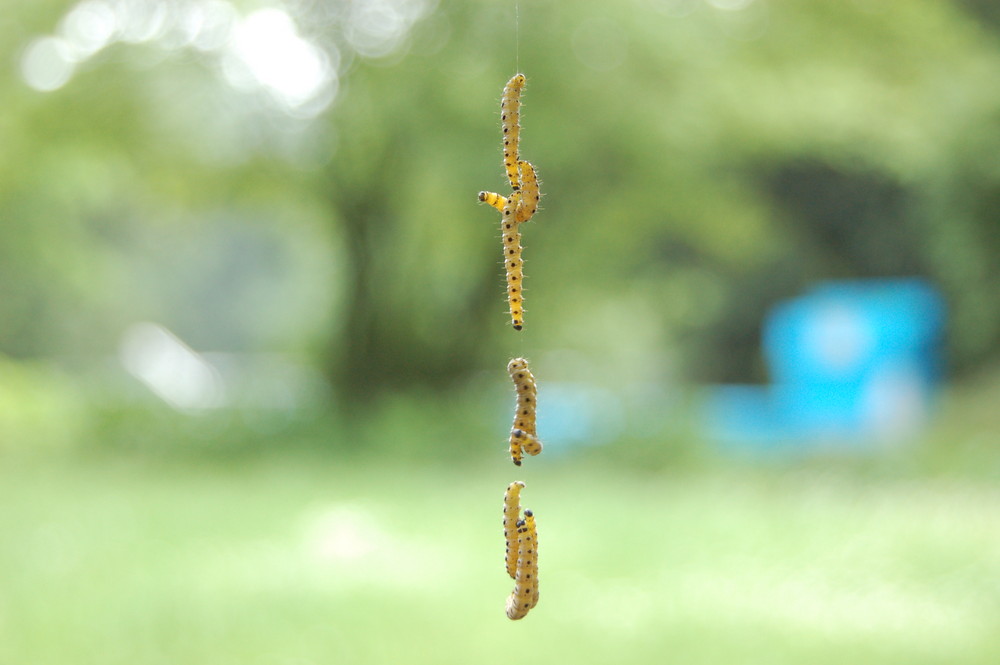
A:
(511, 515)
(512, 262)
(530, 194)
(524, 433)
(510, 115)
(525, 593)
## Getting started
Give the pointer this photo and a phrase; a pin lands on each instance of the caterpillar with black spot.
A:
(510, 115)
(525, 594)
(496, 200)
(524, 433)
(511, 515)
(513, 264)
(530, 194)
(532, 573)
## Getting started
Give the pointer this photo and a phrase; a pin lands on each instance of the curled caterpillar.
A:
(511, 514)
(510, 115)
(497, 201)
(530, 195)
(528, 443)
(524, 433)
(512, 260)
(525, 593)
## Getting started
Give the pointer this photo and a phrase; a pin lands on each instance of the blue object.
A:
(851, 362)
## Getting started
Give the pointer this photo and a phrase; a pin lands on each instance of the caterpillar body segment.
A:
(511, 515)
(497, 201)
(510, 116)
(530, 194)
(513, 264)
(525, 418)
(516, 449)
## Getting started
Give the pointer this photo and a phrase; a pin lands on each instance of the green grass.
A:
(325, 558)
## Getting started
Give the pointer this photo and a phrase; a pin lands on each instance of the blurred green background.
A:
(253, 406)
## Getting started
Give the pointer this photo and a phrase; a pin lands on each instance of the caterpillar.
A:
(510, 115)
(512, 260)
(525, 593)
(530, 195)
(517, 607)
(497, 201)
(524, 434)
(532, 574)
(528, 443)
(511, 514)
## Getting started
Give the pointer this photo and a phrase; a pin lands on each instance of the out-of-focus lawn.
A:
(313, 559)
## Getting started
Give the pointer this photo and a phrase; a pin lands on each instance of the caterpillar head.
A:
(517, 81)
(516, 364)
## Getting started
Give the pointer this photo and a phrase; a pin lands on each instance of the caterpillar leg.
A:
(495, 200)
(510, 116)
(512, 261)
(530, 194)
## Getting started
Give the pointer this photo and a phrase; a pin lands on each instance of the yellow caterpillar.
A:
(512, 260)
(524, 434)
(516, 208)
(525, 593)
(497, 201)
(511, 514)
(530, 195)
(532, 574)
(522, 441)
(510, 115)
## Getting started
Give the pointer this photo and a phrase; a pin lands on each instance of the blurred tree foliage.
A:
(700, 160)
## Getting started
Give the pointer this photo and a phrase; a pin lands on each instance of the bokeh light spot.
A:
(47, 63)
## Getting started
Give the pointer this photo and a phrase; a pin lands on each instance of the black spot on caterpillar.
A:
(530, 195)
(525, 593)
(511, 514)
(524, 433)
(510, 116)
